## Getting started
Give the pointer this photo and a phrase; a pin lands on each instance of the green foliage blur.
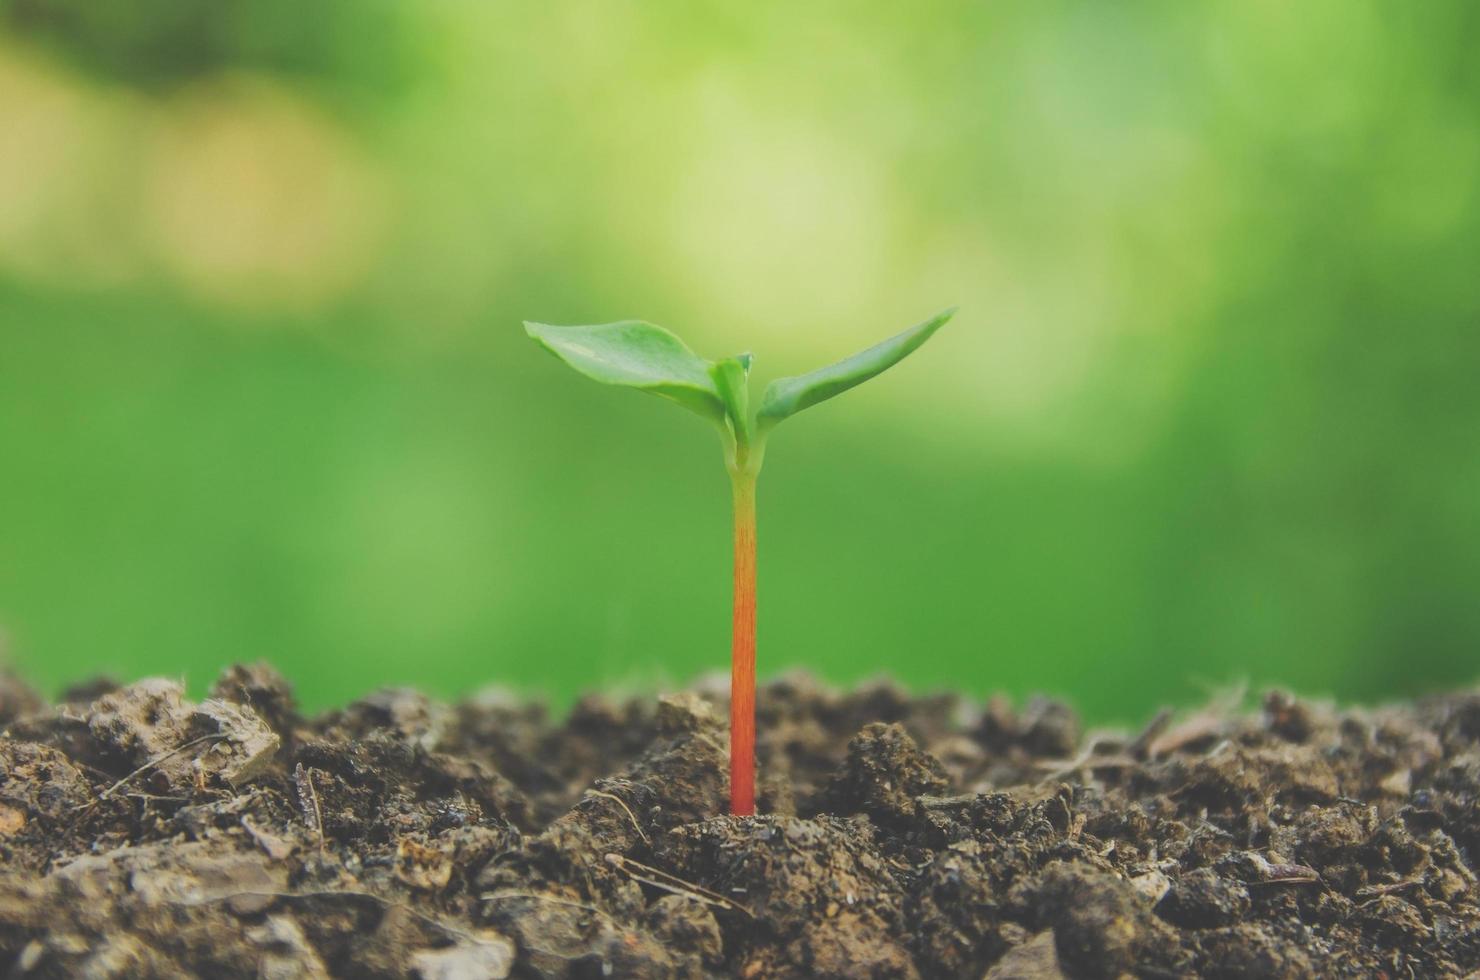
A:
(1209, 413)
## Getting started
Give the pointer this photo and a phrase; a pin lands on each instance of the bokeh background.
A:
(1210, 412)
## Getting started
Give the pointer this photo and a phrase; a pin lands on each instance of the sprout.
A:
(640, 355)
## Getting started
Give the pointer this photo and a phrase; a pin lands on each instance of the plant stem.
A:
(742, 649)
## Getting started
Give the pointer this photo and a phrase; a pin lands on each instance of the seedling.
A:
(640, 355)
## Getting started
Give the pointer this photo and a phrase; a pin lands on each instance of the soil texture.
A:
(143, 834)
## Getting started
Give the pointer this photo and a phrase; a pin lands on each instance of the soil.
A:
(146, 835)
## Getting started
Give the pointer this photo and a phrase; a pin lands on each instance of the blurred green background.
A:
(1210, 411)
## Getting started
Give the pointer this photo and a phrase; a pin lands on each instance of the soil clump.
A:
(143, 834)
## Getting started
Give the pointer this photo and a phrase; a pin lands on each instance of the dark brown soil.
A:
(144, 835)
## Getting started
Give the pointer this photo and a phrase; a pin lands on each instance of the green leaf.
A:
(636, 355)
(785, 397)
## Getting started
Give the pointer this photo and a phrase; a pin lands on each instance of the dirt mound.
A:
(145, 835)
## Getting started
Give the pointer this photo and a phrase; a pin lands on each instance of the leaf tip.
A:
(940, 319)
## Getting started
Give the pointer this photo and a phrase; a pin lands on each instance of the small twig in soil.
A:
(384, 904)
(153, 796)
(308, 800)
(1377, 891)
(101, 774)
(1057, 769)
(1287, 874)
(1208, 722)
(105, 794)
(671, 883)
(630, 815)
(538, 897)
(1086, 759)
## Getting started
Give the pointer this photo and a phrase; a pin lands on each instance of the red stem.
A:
(742, 653)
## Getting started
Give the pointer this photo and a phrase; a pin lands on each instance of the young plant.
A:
(640, 355)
